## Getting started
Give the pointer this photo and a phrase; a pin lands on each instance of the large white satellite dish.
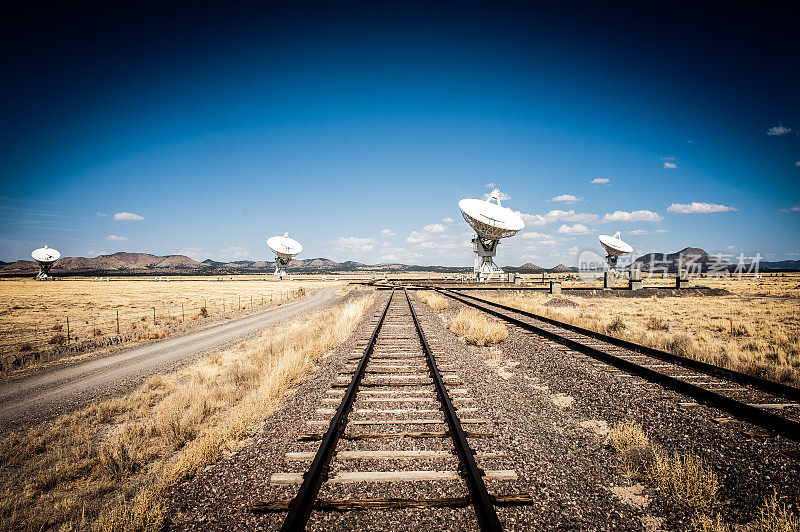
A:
(46, 257)
(491, 222)
(615, 248)
(284, 248)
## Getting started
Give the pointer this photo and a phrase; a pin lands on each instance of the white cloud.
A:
(531, 219)
(699, 207)
(434, 228)
(573, 251)
(128, 216)
(193, 253)
(793, 254)
(103, 215)
(775, 131)
(637, 232)
(490, 185)
(797, 163)
(116, 238)
(660, 231)
(577, 229)
(557, 216)
(600, 181)
(387, 232)
(671, 166)
(533, 235)
(353, 243)
(731, 247)
(566, 198)
(547, 243)
(503, 196)
(633, 216)
(234, 252)
(447, 220)
(416, 237)
(793, 208)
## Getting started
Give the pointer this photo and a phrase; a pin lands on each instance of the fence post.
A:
(183, 314)
(117, 322)
(154, 315)
(67, 329)
(251, 301)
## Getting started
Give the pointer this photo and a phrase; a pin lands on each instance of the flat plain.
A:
(33, 314)
(754, 327)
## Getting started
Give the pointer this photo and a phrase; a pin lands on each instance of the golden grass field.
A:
(755, 329)
(35, 313)
(107, 466)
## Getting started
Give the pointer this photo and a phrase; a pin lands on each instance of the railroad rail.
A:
(770, 405)
(397, 366)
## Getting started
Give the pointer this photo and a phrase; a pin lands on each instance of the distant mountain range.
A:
(122, 263)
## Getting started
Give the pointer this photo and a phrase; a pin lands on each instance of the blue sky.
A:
(357, 128)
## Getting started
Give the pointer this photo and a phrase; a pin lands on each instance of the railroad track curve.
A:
(769, 405)
(416, 400)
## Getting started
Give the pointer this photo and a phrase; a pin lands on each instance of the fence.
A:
(70, 333)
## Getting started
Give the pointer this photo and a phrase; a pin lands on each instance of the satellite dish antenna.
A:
(491, 222)
(284, 248)
(615, 248)
(46, 257)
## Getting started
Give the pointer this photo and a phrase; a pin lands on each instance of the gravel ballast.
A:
(549, 411)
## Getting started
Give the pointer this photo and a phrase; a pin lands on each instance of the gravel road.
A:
(45, 395)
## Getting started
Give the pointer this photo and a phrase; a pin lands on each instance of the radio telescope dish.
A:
(46, 257)
(491, 222)
(615, 248)
(284, 248)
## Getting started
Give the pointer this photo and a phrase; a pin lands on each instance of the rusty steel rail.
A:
(303, 503)
(473, 475)
(781, 425)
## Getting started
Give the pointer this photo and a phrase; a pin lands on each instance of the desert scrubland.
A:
(107, 466)
(754, 329)
(34, 314)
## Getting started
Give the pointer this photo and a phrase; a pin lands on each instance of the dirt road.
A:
(40, 397)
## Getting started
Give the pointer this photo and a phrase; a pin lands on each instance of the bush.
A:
(25, 347)
(655, 323)
(203, 312)
(476, 329)
(57, 339)
(615, 325)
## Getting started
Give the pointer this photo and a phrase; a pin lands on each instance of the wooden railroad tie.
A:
(343, 505)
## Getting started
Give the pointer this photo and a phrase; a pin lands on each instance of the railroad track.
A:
(770, 405)
(401, 412)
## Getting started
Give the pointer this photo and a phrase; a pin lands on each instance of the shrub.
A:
(433, 300)
(615, 325)
(57, 339)
(655, 323)
(203, 312)
(476, 329)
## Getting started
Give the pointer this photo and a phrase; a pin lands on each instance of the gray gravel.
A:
(546, 408)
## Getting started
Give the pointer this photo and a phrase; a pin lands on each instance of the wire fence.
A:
(79, 331)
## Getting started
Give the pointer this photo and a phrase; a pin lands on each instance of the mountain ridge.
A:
(126, 263)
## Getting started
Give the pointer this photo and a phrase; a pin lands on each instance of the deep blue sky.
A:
(358, 127)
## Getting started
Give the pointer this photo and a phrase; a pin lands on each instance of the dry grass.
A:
(759, 336)
(477, 329)
(35, 313)
(689, 480)
(107, 466)
(685, 477)
(433, 300)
